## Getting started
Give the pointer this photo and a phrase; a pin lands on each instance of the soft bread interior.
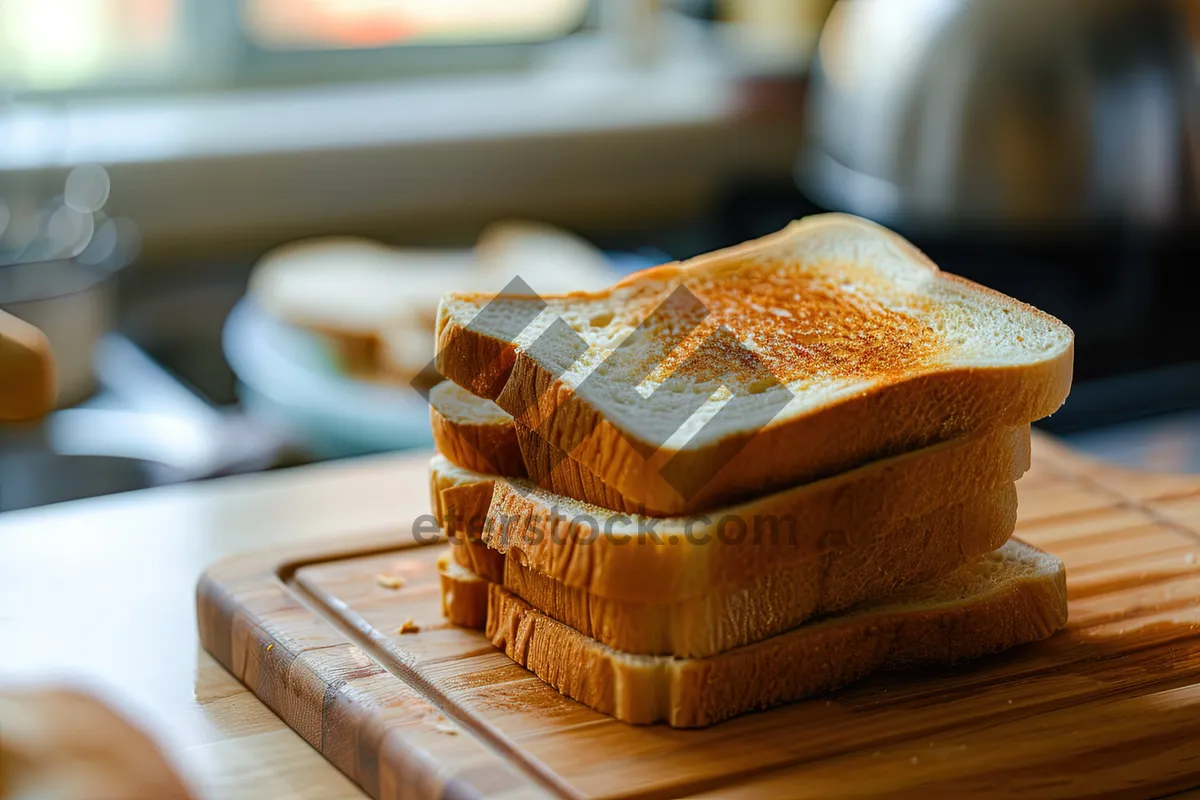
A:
(461, 407)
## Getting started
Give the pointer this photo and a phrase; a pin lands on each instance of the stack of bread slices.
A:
(736, 481)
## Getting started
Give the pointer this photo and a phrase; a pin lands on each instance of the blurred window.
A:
(56, 45)
(350, 24)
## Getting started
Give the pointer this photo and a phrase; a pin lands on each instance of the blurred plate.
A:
(289, 377)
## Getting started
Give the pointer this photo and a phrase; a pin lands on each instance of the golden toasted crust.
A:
(860, 429)
(484, 448)
(498, 445)
(1023, 601)
(554, 471)
(907, 408)
(679, 558)
(726, 617)
(464, 594)
(477, 363)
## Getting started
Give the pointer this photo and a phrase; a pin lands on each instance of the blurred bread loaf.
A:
(376, 305)
(62, 743)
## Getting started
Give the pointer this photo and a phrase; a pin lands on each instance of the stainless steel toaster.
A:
(1005, 113)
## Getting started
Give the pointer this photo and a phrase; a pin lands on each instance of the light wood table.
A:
(102, 592)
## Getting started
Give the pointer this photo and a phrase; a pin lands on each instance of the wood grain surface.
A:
(1111, 706)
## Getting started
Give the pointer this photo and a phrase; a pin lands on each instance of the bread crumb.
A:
(913, 760)
(443, 725)
(390, 581)
(409, 627)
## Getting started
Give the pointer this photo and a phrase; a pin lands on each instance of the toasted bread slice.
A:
(628, 557)
(839, 342)
(915, 552)
(460, 502)
(474, 433)
(352, 286)
(464, 594)
(356, 292)
(1014, 595)
(377, 304)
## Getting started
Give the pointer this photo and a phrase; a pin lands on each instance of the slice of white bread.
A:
(880, 353)
(351, 285)
(358, 293)
(474, 433)
(1014, 595)
(915, 552)
(627, 557)
(460, 502)
(377, 304)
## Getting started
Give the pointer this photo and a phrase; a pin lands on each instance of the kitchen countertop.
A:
(101, 591)
(1165, 443)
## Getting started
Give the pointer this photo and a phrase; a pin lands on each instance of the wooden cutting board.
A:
(1110, 706)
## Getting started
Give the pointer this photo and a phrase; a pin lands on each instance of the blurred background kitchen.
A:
(233, 218)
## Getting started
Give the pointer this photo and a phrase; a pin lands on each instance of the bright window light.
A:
(348, 24)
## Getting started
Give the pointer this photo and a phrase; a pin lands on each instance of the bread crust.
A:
(488, 447)
(501, 446)
(464, 594)
(858, 430)
(1015, 607)
(893, 417)
(622, 557)
(460, 508)
(918, 551)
